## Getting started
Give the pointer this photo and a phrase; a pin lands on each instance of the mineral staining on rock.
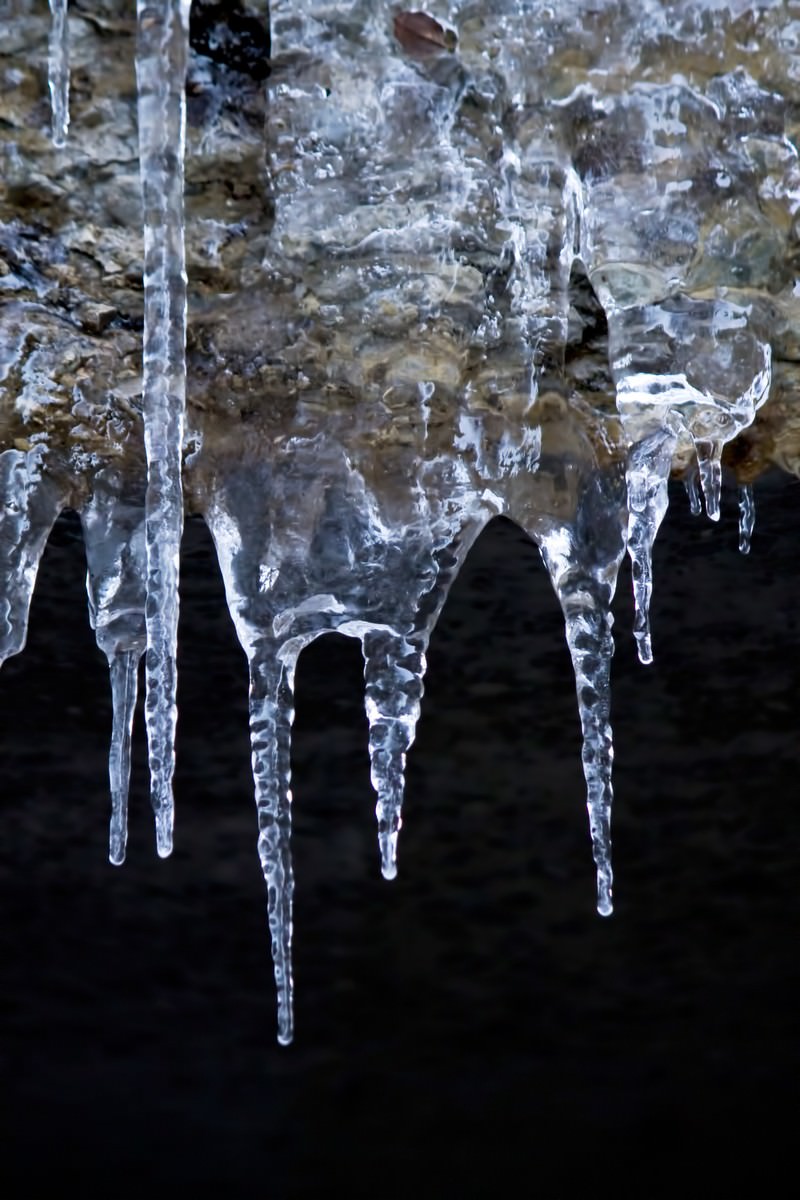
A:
(442, 264)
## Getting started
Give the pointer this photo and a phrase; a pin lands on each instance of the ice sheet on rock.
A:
(58, 71)
(747, 517)
(690, 373)
(116, 556)
(31, 501)
(160, 71)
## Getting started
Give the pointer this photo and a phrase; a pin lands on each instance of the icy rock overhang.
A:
(414, 269)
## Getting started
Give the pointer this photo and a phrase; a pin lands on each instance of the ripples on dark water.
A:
(475, 1019)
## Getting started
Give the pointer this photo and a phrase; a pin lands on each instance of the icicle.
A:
(124, 670)
(113, 531)
(271, 715)
(691, 481)
(591, 645)
(31, 501)
(747, 517)
(58, 71)
(393, 673)
(161, 71)
(648, 497)
(583, 562)
(709, 462)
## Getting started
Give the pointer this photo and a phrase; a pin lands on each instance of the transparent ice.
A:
(532, 263)
(163, 37)
(58, 71)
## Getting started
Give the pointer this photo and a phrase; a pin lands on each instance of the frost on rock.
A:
(58, 71)
(161, 55)
(113, 523)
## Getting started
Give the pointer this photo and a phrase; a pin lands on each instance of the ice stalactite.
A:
(393, 671)
(649, 466)
(747, 517)
(271, 714)
(114, 535)
(361, 559)
(691, 481)
(32, 498)
(163, 35)
(579, 527)
(709, 462)
(58, 71)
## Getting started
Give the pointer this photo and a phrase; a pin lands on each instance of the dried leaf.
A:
(422, 35)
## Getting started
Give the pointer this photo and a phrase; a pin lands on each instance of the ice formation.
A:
(163, 37)
(484, 283)
(58, 71)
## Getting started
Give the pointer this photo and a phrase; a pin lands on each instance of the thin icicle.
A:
(648, 497)
(393, 673)
(591, 645)
(124, 670)
(691, 481)
(709, 462)
(161, 71)
(271, 716)
(116, 560)
(747, 517)
(58, 71)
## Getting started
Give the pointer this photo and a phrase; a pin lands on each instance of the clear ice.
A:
(466, 262)
(747, 517)
(58, 71)
(161, 54)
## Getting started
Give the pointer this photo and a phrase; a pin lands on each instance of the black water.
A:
(473, 1027)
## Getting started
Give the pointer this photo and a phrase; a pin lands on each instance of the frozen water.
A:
(32, 499)
(114, 535)
(163, 35)
(58, 71)
(462, 269)
(747, 517)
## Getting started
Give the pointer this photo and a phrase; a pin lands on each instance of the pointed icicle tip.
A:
(164, 833)
(747, 517)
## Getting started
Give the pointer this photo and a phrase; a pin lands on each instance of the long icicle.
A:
(116, 568)
(591, 645)
(58, 71)
(163, 34)
(271, 716)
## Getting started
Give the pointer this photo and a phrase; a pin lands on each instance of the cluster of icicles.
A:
(395, 662)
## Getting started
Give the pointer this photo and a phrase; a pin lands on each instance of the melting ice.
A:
(482, 285)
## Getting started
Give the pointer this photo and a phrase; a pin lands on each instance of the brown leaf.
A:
(422, 35)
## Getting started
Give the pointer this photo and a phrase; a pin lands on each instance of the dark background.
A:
(474, 1026)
